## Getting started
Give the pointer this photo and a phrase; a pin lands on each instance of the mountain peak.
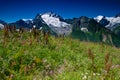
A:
(53, 19)
(56, 23)
(109, 22)
(52, 14)
(99, 18)
(49, 13)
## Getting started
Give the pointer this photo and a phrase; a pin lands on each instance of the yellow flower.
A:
(37, 60)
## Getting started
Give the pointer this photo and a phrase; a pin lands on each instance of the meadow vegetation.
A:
(36, 55)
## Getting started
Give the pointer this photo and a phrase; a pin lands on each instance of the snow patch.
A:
(113, 21)
(98, 18)
(1, 26)
(56, 25)
(28, 20)
(50, 20)
(84, 29)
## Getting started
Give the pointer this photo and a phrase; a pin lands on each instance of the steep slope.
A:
(117, 31)
(114, 22)
(38, 21)
(99, 18)
(109, 22)
(88, 29)
(56, 23)
(102, 20)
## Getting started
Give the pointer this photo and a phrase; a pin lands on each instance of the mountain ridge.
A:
(83, 28)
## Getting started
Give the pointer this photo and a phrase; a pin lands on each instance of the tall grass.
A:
(25, 58)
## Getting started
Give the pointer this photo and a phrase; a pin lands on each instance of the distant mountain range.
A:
(112, 23)
(109, 22)
(98, 29)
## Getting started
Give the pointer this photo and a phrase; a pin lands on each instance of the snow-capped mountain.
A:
(2, 23)
(83, 28)
(51, 19)
(114, 22)
(28, 20)
(108, 22)
(1, 26)
(56, 23)
(99, 18)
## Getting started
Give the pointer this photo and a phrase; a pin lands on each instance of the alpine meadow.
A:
(59, 40)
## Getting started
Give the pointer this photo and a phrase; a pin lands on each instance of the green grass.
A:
(61, 59)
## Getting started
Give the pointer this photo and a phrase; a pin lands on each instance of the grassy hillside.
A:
(24, 57)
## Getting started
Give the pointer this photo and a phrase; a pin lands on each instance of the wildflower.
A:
(91, 56)
(108, 66)
(107, 56)
(98, 74)
(84, 77)
(94, 74)
(46, 36)
(86, 73)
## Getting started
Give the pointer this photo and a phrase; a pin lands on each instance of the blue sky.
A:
(12, 10)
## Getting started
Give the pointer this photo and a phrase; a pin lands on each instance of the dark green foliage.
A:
(117, 31)
(95, 33)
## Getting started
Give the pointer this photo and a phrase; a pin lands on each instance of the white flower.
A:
(82, 74)
(86, 73)
(98, 74)
(84, 77)
(94, 74)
